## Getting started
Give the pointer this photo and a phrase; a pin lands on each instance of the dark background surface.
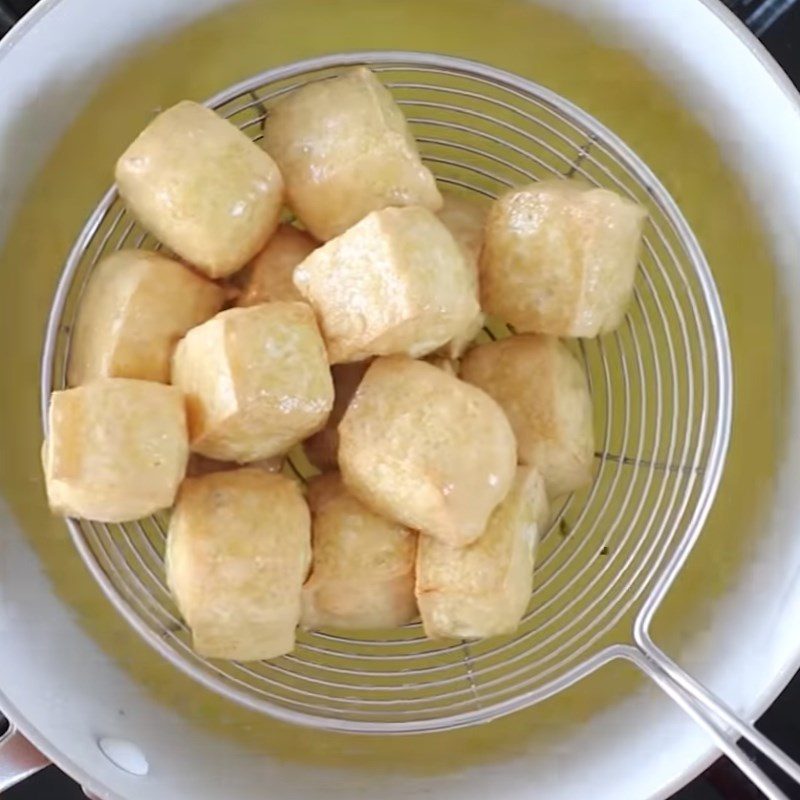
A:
(777, 24)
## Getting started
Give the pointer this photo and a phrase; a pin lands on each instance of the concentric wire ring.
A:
(661, 388)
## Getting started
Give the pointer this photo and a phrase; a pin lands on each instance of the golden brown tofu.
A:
(484, 588)
(256, 381)
(116, 449)
(560, 258)
(362, 575)
(543, 390)
(345, 149)
(396, 282)
(465, 218)
(421, 447)
(270, 274)
(136, 307)
(202, 187)
(322, 448)
(238, 551)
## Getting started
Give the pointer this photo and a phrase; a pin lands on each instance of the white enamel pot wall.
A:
(719, 123)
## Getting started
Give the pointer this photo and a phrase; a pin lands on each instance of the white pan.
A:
(699, 100)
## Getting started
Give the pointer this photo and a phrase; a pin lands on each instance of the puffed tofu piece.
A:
(560, 258)
(116, 449)
(322, 448)
(396, 282)
(345, 149)
(422, 447)
(238, 552)
(543, 390)
(270, 274)
(202, 187)
(483, 589)
(200, 465)
(256, 381)
(136, 307)
(465, 218)
(363, 566)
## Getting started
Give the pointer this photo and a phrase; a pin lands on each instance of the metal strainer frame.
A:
(662, 391)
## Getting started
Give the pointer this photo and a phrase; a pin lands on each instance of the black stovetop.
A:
(777, 24)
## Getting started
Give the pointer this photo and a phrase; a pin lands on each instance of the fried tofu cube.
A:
(322, 448)
(421, 447)
(363, 566)
(269, 276)
(396, 282)
(345, 149)
(544, 392)
(256, 381)
(465, 218)
(136, 307)
(116, 449)
(202, 187)
(560, 258)
(483, 589)
(238, 551)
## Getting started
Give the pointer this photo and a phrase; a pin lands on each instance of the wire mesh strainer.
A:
(661, 388)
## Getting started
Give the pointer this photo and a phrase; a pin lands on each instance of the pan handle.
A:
(19, 759)
(717, 719)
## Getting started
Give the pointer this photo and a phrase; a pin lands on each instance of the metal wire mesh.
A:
(661, 391)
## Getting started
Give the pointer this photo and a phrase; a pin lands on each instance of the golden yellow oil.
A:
(539, 44)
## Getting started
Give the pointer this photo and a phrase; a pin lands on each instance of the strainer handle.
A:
(19, 759)
(716, 718)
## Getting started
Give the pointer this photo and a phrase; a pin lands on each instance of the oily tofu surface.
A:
(363, 566)
(116, 449)
(270, 273)
(422, 447)
(560, 258)
(202, 188)
(396, 282)
(345, 149)
(256, 381)
(322, 448)
(465, 218)
(483, 589)
(136, 307)
(544, 392)
(238, 551)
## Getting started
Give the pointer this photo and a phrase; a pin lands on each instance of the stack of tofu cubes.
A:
(318, 290)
